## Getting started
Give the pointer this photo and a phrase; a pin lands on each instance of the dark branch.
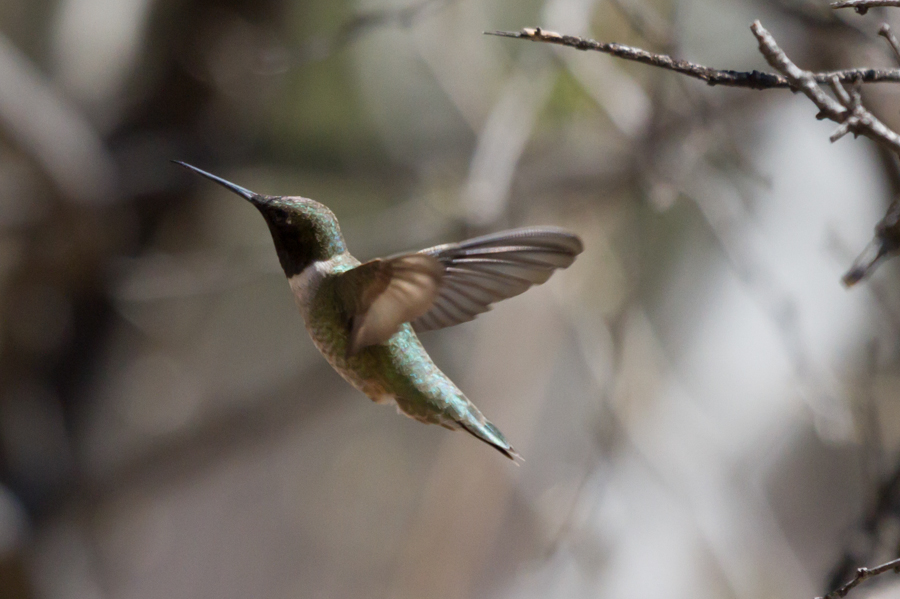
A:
(751, 79)
(885, 244)
(879, 514)
(862, 574)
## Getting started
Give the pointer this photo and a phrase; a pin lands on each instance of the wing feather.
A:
(381, 295)
(450, 283)
(487, 269)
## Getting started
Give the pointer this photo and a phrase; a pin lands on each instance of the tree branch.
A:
(886, 33)
(862, 574)
(751, 79)
(847, 110)
(863, 6)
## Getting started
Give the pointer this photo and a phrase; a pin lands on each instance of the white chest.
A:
(306, 283)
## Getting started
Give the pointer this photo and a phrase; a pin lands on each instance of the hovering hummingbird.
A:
(363, 317)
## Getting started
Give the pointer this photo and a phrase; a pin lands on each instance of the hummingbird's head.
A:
(304, 231)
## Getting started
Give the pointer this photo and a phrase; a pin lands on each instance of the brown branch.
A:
(751, 79)
(862, 574)
(863, 6)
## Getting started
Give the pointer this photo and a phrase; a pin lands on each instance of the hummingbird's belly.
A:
(398, 371)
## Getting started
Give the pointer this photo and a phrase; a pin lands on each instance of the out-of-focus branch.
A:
(645, 22)
(885, 243)
(879, 514)
(353, 28)
(751, 79)
(53, 131)
(862, 6)
(863, 574)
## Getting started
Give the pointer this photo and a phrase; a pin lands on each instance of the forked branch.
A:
(843, 106)
(847, 110)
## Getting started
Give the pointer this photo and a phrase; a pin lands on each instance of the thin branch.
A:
(846, 110)
(863, 6)
(850, 114)
(886, 33)
(841, 93)
(797, 78)
(863, 574)
(751, 79)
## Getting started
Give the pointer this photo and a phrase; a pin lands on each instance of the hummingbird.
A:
(363, 316)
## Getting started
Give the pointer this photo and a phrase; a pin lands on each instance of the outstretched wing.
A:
(487, 269)
(448, 284)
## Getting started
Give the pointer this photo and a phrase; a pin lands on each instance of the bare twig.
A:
(886, 33)
(849, 113)
(797, 78)
(862, 574)
(751, 79)
(863, 6)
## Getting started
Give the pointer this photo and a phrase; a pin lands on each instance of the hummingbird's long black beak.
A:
(244, 193)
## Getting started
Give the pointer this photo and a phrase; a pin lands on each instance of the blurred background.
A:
(704, 411)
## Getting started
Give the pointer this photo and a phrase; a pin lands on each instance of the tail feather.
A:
(491, 435)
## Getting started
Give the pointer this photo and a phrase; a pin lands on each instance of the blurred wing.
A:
(484, 270)
(382, 294)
